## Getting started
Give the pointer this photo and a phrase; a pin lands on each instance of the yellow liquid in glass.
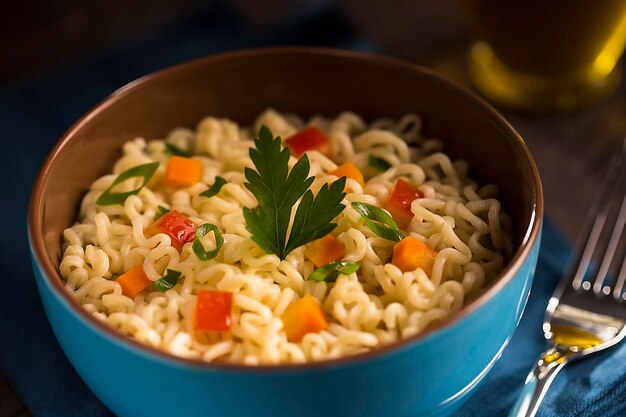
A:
(546, 55)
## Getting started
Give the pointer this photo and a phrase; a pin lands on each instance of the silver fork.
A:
(585, 314)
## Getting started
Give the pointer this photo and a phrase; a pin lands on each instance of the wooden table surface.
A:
(571, 150)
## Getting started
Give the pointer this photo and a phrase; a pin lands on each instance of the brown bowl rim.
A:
(50, 273)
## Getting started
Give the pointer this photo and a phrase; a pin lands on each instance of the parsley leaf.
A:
(314, 215)
(277, 190)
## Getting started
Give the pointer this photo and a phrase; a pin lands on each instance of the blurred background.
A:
(60, 58)
(38, 37)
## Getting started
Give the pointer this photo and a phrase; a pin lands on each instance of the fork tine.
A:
(579, 323)
(611, 248)
(619, 285)
(592, 241)
(597, 218)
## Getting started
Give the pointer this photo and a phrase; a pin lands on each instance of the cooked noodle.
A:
(375, 306)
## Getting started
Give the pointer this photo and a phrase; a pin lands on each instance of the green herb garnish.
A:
(170, 279)
(108, 198)
(379, 221)
(331, 271)
(160, 212)
(171, 149)
(215, 188)
(277, 190)
(378, 163)
(198, 247)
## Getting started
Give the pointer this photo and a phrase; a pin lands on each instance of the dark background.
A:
(38, 37)
(59, 58)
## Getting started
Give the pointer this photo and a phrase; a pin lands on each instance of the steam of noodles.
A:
(375, 306)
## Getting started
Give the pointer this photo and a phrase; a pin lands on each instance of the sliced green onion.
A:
(171, 149)
(108, 198)
(197, 246)
(215, 188)
(167, 282)
(160, 212)
(379, 221)
(378, 163)
(331, 271)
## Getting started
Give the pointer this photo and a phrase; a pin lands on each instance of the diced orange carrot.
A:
(182, 172)
(308, 139)
(324, 250)
(348, 170)
(303, 316)
(213, 311)
(410, 254)
(133, 281)
(399, 202)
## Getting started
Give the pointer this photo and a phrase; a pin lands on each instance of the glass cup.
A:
(546, 55)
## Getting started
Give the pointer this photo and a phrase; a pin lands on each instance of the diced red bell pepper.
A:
(308, 139)
(213, 311)
(178, 226)
(399, 202)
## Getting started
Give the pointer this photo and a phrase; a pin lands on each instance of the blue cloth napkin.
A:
(592, 387)
(33, 115)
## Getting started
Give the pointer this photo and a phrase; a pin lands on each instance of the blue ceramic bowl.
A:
(430, 374)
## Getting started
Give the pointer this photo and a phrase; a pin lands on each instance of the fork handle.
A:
(537, 383)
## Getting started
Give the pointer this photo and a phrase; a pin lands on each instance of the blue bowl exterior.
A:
(431, 377)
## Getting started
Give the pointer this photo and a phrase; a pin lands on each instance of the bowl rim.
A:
(53, 278)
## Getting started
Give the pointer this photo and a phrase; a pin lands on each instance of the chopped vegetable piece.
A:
(379, 221)
(215, 188)
(348, 170)
(303, 316)
(160, 212)
(171, 149)
(133, 281)
(378, 163)
(198, 248)
(324, 250)
(331, 271)
(410, 254)
(308, 139)
(399, 202)
(213, 311)
(182, 172)
(109, 198)
(170, 280)
(179, 228)
(277, 190)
